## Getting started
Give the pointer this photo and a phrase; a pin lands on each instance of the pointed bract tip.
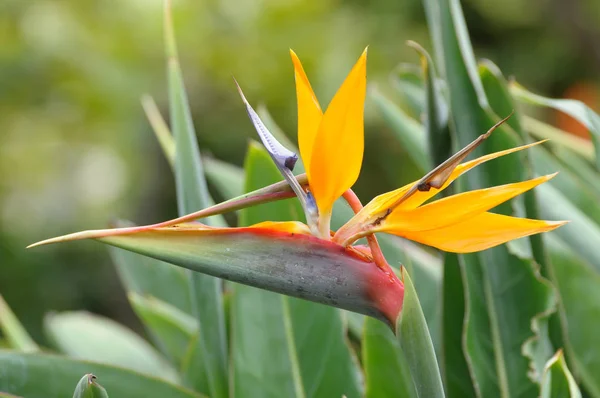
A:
(240, 90)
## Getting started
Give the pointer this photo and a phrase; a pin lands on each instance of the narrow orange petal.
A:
(309, 112)
(481, 232)
(381, 202)
(456, 208)
(338, 147)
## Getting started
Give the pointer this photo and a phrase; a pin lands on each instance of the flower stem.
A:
(356, 206)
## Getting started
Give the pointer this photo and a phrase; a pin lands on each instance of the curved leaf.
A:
(51, 376)
(413, 335)
(558, 381)
(386, 370)
(576, 109)
(89, 388)
(192, 195)
(85, 336)
(172, 329)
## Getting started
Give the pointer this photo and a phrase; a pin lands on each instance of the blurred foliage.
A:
(76, 150)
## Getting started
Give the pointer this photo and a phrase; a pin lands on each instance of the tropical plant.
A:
(483, 319)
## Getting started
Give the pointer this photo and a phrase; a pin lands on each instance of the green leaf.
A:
(426, 270)
(436, 112)
(172, 329)
(226, 178)
(579, 287)
(407, 79)
(15, 334)
(558, 381)
(387, 372)
(89, 388)
(51, 376)
(413, 335)
(148, 276)
(192, 194)
(559, 137)
(576, 109)
(303, 349)
(499, 314)
(160, 128)
(538, 348)
(407, 130)
(85, 336)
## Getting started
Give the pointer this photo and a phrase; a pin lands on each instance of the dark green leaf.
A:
(456, 371)
(51, 376)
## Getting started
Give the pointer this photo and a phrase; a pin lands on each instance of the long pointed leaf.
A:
(14, 332)
(192, 195)
(416, 344)
(386, 369)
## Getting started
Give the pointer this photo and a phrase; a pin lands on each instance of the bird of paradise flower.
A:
(309, 260)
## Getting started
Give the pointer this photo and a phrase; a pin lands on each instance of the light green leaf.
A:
(407, 79)
(576, 109)
(386, 371)
(413, 335)
(192, 195)
(15, 334)
(171, 328)
(51, 376)
(226, 178)
(407, 130)
(147, 276)
(558, 381)
(435, 117)
(557, 136)
(82, 335)
(89, 388)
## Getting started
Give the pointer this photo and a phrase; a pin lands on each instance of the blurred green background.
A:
(76, 151)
